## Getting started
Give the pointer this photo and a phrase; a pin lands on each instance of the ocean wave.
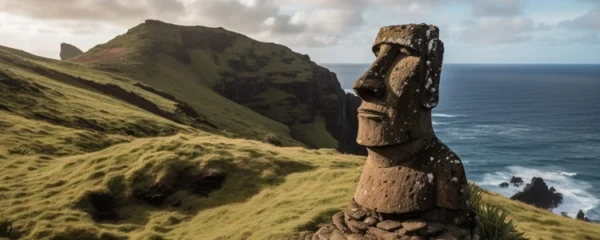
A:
(568, 174)
(482, 130)
(439, 123)
(446, 115)
(575, 192)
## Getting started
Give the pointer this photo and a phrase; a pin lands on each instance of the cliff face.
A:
(268, 78)
(298, 98)
(68, 51)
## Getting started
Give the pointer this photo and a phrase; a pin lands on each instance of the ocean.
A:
(522, 120)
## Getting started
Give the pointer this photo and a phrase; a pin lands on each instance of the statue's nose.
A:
(371, 85)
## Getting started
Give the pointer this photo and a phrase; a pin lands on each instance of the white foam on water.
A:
(513, 131)
(446, 115)
(439, 123)
(568, 174)
(575, 192)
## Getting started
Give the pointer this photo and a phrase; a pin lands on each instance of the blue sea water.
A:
(522, 120)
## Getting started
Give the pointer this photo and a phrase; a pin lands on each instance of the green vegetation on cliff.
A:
(248, 87)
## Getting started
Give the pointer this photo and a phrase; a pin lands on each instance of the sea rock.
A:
(517, 181)
(68, 51)
(538, 194)
(504, 185)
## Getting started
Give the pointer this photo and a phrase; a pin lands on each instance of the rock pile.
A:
(356, 223)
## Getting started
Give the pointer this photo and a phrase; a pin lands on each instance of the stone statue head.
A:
(401, 86)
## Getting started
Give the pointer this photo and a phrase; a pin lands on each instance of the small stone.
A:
(337, 235)
(412, 226)
(356, 213)
(434, 229)
(371, 221)
(401, 232)
(324, 233)
(389, 225)
(417, 238)
(382, 235)
(338, 221)
(355, 226)
(355, 236)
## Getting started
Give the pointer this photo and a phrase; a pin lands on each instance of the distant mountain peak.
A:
(68, 51)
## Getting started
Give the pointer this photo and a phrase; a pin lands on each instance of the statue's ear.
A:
(435, 53)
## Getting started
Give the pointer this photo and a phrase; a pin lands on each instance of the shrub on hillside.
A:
(493, 224)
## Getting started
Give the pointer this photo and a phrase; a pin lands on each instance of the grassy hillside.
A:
(269, 192)
(88, 154)
(58, 92)
(229, 78)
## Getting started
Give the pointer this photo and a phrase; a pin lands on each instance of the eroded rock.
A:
(538, 194)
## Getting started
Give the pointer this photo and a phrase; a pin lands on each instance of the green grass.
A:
(65, 144)
(314, 134)
(269, 193)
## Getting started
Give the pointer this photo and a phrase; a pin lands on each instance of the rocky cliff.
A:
(268, 78)
(68, 51)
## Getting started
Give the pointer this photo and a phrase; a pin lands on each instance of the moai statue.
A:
(412, 186)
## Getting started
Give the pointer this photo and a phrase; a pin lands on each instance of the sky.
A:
(329, 31)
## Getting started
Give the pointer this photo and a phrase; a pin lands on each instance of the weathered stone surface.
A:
(417, 238)
(538, 194)
(434, 229)
(413, 225)
(356, 236)
(329, 232)
(382, 234)
(371, 221)
(389, 225)
(408, 168)
(355, 225)
(338, 221)
(356, 213)
(410, 179)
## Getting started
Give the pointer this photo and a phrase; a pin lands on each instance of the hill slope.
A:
(212, 69)
(87, 154)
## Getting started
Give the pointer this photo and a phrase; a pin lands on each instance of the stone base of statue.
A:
(356, 223)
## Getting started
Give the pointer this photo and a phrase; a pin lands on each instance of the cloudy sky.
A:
(330, 31)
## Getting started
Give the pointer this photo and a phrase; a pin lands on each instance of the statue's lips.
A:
(369, 113)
